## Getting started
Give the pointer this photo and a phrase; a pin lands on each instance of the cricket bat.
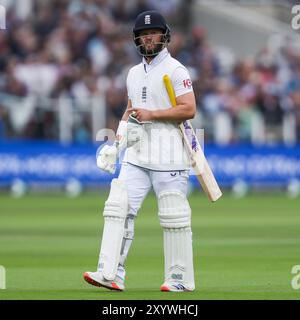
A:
(199, 162)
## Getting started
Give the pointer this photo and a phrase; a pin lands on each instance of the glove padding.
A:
(134, 134)
(130, 134)
(107, 158)
(134, 130)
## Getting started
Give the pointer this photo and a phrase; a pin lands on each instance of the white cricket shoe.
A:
(175, 287)
(97, 279)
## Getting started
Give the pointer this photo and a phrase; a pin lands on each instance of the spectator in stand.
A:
(81, 48)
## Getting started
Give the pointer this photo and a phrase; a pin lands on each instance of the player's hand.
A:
(107, 158)
(142, 114)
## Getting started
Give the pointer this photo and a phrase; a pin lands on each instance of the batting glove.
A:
(107, 159)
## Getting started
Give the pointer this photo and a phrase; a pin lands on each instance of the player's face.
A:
(150, 38)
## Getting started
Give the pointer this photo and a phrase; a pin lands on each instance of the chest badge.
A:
(144, 94)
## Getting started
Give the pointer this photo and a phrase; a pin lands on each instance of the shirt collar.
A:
(154, 62)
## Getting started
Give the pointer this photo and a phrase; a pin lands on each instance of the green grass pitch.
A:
(243, 248)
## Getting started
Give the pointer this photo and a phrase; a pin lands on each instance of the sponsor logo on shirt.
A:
(187, 83)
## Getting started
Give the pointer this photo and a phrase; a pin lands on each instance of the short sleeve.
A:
(181, 81)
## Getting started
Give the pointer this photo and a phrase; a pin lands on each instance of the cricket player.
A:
(155, 157)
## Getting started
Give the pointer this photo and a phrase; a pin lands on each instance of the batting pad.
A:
(175, 218)
(178, 253)
(173, 209)
(115, 212)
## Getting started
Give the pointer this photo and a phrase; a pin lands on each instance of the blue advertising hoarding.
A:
(50, 162)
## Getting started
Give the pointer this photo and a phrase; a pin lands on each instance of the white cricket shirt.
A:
(161, 146)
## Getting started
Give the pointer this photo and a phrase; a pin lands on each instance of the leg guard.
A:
(175, 218)
(115, 211)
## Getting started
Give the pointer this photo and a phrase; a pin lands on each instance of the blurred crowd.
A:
(84, 48)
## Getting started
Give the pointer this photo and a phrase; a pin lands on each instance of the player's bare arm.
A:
(185, 109)
(127, 111)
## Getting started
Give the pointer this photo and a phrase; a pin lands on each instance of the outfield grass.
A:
(243, 249)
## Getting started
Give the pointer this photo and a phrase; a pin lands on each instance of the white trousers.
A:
(139, 182)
